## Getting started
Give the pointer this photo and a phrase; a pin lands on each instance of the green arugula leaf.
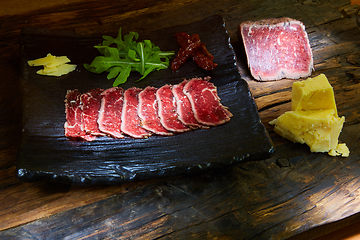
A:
(123, 55)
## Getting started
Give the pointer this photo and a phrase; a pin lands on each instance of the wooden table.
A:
(294, 194)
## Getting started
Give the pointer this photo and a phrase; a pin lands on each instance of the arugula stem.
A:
(142, 59)
(120, 63)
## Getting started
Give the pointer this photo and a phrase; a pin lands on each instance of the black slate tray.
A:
(46, 154)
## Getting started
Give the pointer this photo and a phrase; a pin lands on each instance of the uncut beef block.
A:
(73, 112)
(183, 106)
(90, 111)
(109, 119)
(277, 48)
(205, 102)
(167, 110)
(148, 112)
(130, 121)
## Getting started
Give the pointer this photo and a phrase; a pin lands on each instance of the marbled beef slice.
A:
(277, 48)
(109, 120)
(130, 121)
(183, 106)
(91, 101)
(148, 112)
(167, 110)
(73, 113)
(205, 102)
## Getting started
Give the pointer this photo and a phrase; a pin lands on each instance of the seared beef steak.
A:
(277, 48)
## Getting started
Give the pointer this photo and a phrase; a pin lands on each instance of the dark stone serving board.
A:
(46, 154)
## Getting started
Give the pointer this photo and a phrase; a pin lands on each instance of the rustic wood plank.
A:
(18, 7)
(43, 200)
(304, 185)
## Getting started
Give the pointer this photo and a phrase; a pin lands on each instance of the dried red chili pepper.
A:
(191, 46)
(204, 59)
(182, 38)
(186, 51)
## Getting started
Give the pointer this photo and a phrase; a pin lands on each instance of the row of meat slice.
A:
(140, 113)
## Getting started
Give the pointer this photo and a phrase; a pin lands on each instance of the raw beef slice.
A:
(277, 48)
(183, 107)
(73, 110)
(90, 111)
(148, 112)
(130, 121)
(110, 111)
(205, 102)
(167, 110)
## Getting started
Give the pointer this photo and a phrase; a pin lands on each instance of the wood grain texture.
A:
(294, 194)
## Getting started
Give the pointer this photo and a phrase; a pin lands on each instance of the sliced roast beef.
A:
(140, 113)
(148, 112)
(91, 102)
(110, 111)
(167, 110)
(205, 102)
(73, 112)
(277, 48)
(183, 106)
(130, 121)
